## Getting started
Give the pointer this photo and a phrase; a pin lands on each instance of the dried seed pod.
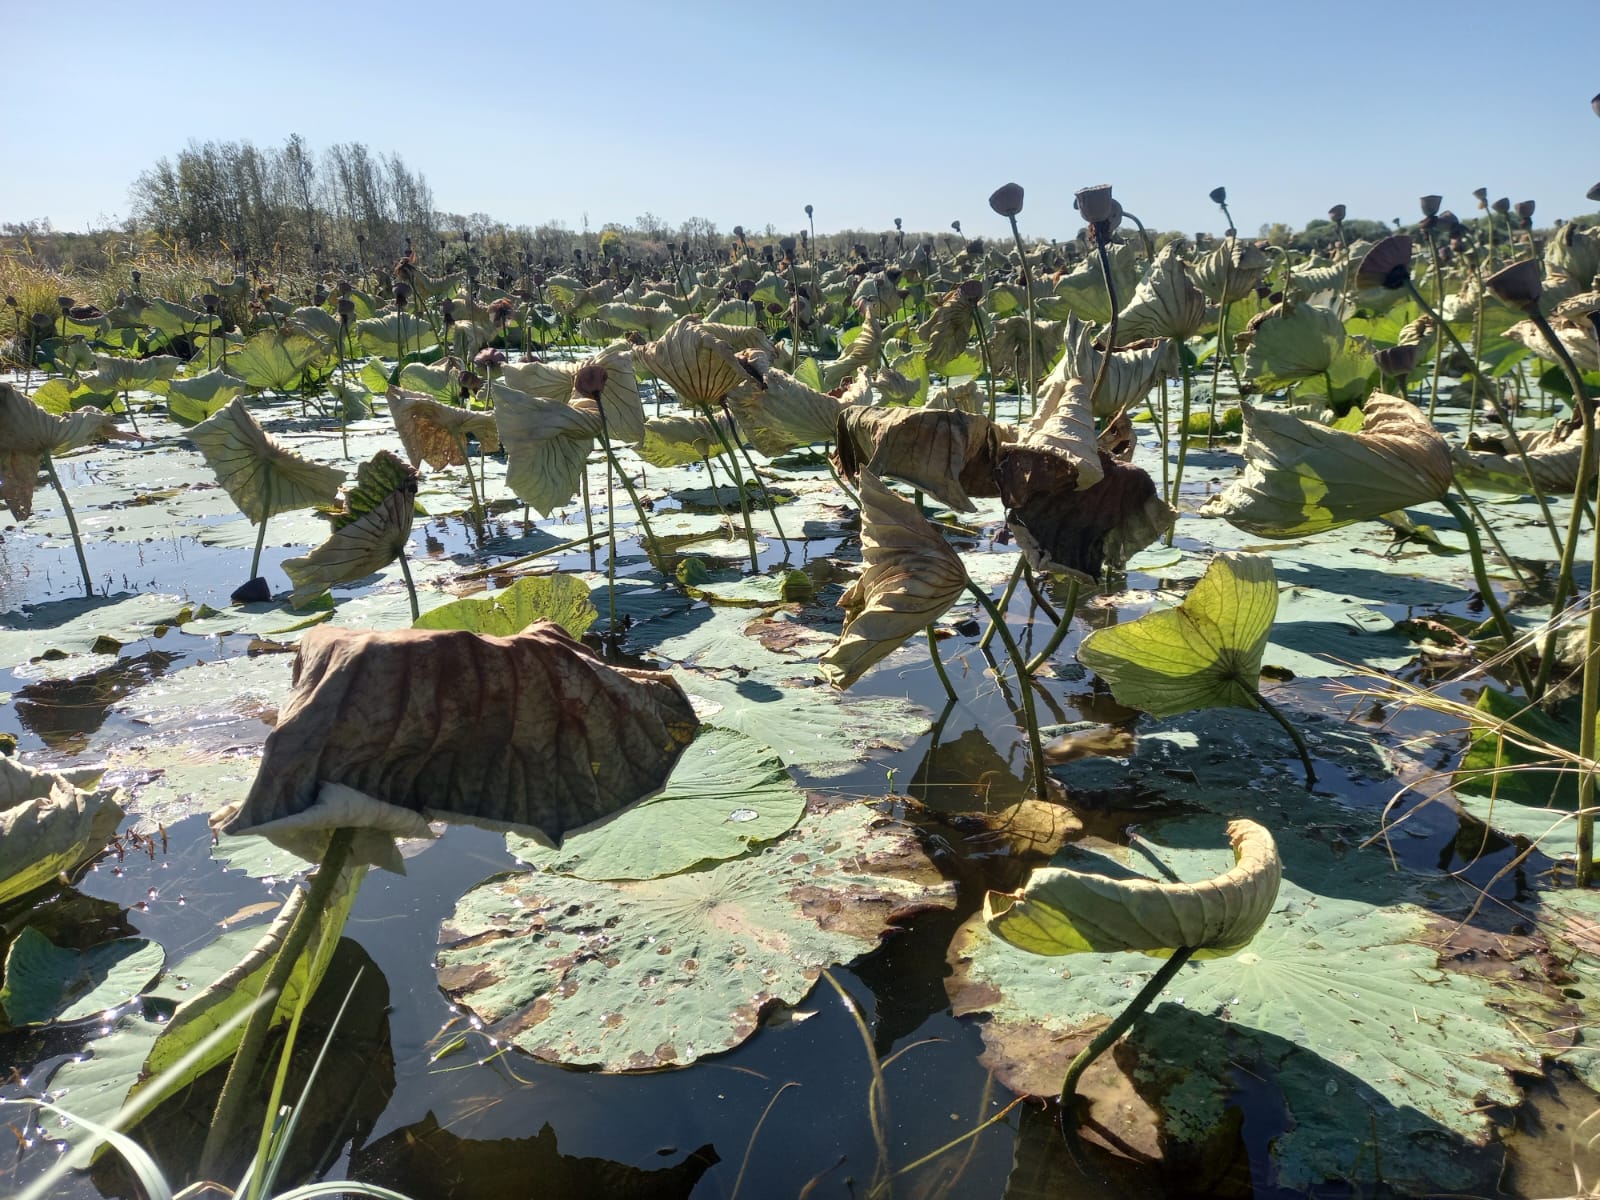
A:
(1519, 285)
(1095, 204)
(1006, 200)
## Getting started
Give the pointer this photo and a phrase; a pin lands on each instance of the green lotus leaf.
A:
(1063, 911)
(682, 966)
(273, 361)
(192, 400)
(912, 578)
(1302, 478)
(113, 374)
(369, 531)
(46, 983)
(1504, 758)
(392, 333)
(946, 453)
(1230, 272)
(1008, 346)
(28, 433)
(48, 825)
(1165, 304)
(436, 433)
(1083, 291)
(559, 598)
(437, 383)
(262, 476)
(548, 443)
(318, 323)
(727, 794)
(553, 381)
(677, 441)
(752, 591)
(75, 626)
(462, 726)
(1293, 341)
(165, 316)
(637, 318)
(1316, 279)
(1204, 653)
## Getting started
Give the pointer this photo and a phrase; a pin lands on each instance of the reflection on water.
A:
(64, 712)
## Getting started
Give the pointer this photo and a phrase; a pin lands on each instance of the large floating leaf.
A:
(530, 731)
(727, 794)
(261, 475)
(80, 625)
(45, 982)
(48, 825)
(563, 599)
(655, 973)
(1204, 653)
(1064, 911)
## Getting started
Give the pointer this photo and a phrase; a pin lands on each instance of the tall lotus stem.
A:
(772, 506)
(1438, 299)
(1063, 626)
(1480, 573)
(261, 531)
(1589, 705)
(411, 586)
(938, 663)
(1101, 233)
(1183, 431)
(611, 459)
(1025, 684)
(1005, 599)
(1277, 714)
(295, 940)
(738, 481)
(472, 484)
(983, 345)
(1222, 340)
(72, 525)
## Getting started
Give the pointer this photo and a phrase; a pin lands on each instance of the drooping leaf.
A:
(697, 365)
(1165, 304)
(553, 381)
(912, 577)
(436, 433)
(46, 983)
(1230, 272)
(548, 443)
(727, 794)
(28, 433)
(529, 731)
(1204, 653)
(386, 334)
(1552, 459)
(369, 531)
(1134, 369)
(1293, 341)
(1067, 530)
(677, 441)
(48, 825)
(563, 599)
(261, 475)
(1063, 426)
(192, 400)
(113, 373)
(1302, 478)
(713, 946)
(946, 453)
(1065, 911)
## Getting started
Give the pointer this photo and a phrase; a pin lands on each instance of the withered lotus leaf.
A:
(947, 453)
(547, 444)
(435, 433)
(530, 731)
(1064, 426)
(369, 531)
(1008, 345)
(697, 365)
(1230, 272)
(1165, 304)
(28, 433)
(261, 475)
(785, 414)
(1301, 478)
(1065, 530)
(862, 352)
(1134, 369)
(949, 329)
(554, 381)
(1578, 340)
(912, 578)
(1553, 457)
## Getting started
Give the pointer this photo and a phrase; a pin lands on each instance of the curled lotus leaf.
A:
(1083, 291)
(862, 352)
(1134, 368)
(1063, 911)
(740, 337)
(1203, 653)
(262, 476)
(48, 825)
(547, 444)
(1577, 336)
(699, 366)
(1065, 529)
(1571, 261)
(636, 318)
(1292, 341)
(677, 441)
(961, 397)
(530, 732)
(948, 454)
(1063, 425)
(192, 400)
(554, 380)
(435, 433)
(1302, 478)
(28, 433)
(1165, 304)
(949, 329)
(1008, 346)
(114, 374)
(1230, 272)
(370, 530)
(1553, 457)
(912, 578)
(785, 414)
(877, 296)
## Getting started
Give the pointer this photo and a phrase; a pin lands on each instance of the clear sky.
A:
(745, 112)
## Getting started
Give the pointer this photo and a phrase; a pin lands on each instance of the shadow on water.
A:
(64, 712)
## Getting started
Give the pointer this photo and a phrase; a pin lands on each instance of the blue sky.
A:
(746, 112)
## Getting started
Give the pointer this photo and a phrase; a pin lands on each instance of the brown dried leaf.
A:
(947, 453)
(436, 433)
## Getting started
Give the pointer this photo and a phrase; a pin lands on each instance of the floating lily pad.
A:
(77, 626)
(726, 794)
(48, 825)
(563, 599)
(654, 973)
(46, 983)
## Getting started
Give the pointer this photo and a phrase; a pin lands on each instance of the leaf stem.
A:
(738, 481)
(1480, 573)
(1025, 684)
(938, 663)
(411, 587)
(1063, 626)
(1005, 600)
(1277, 715)
(72, 524)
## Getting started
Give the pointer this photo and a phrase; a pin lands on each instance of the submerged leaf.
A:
(912, 577)
(1063, 911)
(1204, 653)
(46, 983)
(1301, 478)
(530, 730)
(261, 476)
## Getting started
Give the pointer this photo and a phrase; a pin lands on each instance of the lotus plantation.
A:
(1058, 707)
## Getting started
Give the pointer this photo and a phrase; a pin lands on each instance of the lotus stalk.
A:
(1007, 201)
(72, 523)
(1025, 685)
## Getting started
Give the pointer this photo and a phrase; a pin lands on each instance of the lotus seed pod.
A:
(1519, 285)
(1481, 195)
(1007, 200)
(1430, 205)
(1502, 205)
(972, 290)
(1219, 195)
(1525, 213)
(1094, 204)
(1397, 360)
(1336, 214)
